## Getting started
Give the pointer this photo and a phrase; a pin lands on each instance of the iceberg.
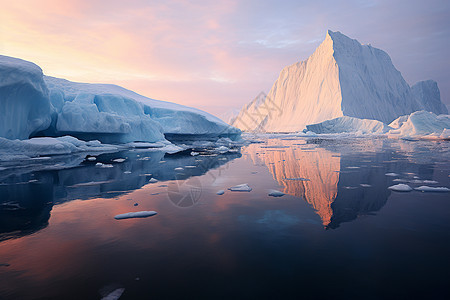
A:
(34, 105)
(24, 105)
(341, 78)
(401, 188)
(421, 124)
(241, 188)
(347, 125)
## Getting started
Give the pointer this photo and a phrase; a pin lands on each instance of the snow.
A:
(400, 188)
(425, 188)
(276, 193)
(241, 188)
(220, 192)
(138, 214)
(341, 78)
(349, 124)
(24, 99)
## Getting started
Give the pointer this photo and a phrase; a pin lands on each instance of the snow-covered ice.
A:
(138, 214)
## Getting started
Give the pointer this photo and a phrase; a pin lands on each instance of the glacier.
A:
(34, 105)
(341, 78)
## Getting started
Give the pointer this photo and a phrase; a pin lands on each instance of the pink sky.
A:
(216, 55)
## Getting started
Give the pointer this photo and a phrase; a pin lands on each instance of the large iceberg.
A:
(24, 105)
(421, 124)
(341, 78)
(35, 105)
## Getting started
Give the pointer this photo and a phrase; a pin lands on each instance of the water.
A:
(339, 232)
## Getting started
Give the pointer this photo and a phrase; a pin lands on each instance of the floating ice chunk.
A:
(401, 188)
(137, 214)
(99, 164)
(114, 295)
(222, 149)
(119, 160)
(179, 169)
(127, 172)
(106, 166)
(365, 185)
(153, 180)
(220, 192)
(400, 180)
(193, 153)
(425, 188)
(392, 174)
(241, 188)
(190, 167)
(92, 158)
(417, 181)
(275, 193)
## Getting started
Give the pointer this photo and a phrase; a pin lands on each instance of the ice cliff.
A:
(341, 78)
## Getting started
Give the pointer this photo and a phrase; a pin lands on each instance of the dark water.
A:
(341, 234)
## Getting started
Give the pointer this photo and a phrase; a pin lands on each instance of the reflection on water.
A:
(56, 245)
(27, 196)
(342, 179)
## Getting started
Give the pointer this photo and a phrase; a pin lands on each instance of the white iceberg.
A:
(349, 125)
(341, 78)
(32, 104)
(421, 124)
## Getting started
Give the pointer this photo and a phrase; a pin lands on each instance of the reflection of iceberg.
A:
(27, 197)
(346, 179)
(316, 164)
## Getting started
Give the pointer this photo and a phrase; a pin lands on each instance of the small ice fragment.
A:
(299, 179)
(400, 188)
(350, 187)
(400, 180)
(391, 174)
(190, 167)
(127, 172)
(193, 153)
(365, 185)
(92, 158)
(119, 160)
(99, 164)
(106, 166)
(162, 161)
(275, 193)
(32, 180)
(425, 188)
(114, 295)
(153, 180)
(240, 188)
(220, 192)
(179, 169)
(137, 214)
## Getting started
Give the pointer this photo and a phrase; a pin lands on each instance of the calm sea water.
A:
(338, 233)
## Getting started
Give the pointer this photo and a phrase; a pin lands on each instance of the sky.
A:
(216, 55)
